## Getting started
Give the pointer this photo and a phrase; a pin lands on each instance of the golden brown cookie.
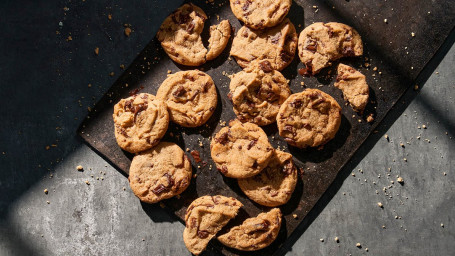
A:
(190, 97)
(257, 95)
(254, 233)
(140, 122)
(259, 14)
(219, 38)
(205, 217)
(354, 86)
(321, 43)
(241, 150)
(160, 173)
(268, 49)
(275, 184)
(309, 119)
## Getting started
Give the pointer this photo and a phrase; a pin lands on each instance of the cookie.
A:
(190, 97)
(309, 119)
(241, 150)
(322, 43)
(275, 184)
(254, 233)
(268, 49)
(259, 14)
(160, 173)
(257, 95)
(205, 217)
(354, 86)
(140, 122)
(219, 38)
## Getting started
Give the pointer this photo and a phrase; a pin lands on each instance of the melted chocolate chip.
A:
(194, 95)
(246, 5)
(296, 103)
(251, 144)
(276, 38)
(312, 46)
(288, 128)
(179, 92)
(202, 234)
(158, 189)
(223, 138)
(266, 66)
(196, 156)
(307, 70)
(206, 87)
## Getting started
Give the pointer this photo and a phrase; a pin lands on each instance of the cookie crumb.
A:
(380, 205)
(413, 34)
(337, 239)
(124, 188)
(109, 16)
(169, 71)
(416, 87)
(358, 245)
(370, 118)
(80, 168)
(322, 239)
(162, 205)
(48, 202)
(46, 191)
(294, 216)
(400, 180)
(128, 31)
(87, 182)
(97, 51)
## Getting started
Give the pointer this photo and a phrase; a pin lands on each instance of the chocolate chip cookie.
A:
(259, 14)
(140, 122)
(190, 97)
(275, 184)
(205, 217)
(219, 38)
(271, 48)
(322, 43)
(241, 150)
(254, 233)
(257, 95)
(354, 86)
(160, 173)
(309, 119)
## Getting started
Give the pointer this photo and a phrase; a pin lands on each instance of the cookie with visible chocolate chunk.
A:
(354, 86)
(259, 14)
(140, 122)
(275, 184)
(309, 119)
(271, 48)
(257, 95)
(321, 43)
(254, 233)
(190, 97)
(241, 150)
(160, 173)
(219, 38)
(205, 217)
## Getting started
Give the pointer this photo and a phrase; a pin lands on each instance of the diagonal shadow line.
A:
(12, 238)
(370, 142)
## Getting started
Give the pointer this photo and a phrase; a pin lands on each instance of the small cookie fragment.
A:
(241, 150)
(259, 14)
(257, 95)
(272, 48)
(321, 43)
(140, 122)
(310, 118)
(190, 97)
(160, 173)
(219, 38)
(354, 87)
(254, 233)
(275, 184)
(205, 217)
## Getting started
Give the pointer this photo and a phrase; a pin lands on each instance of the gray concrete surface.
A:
(45, 100)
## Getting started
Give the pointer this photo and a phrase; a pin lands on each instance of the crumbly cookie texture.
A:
(219, 38)
(140, 122)
(321, 43)
(309, 119)
(160, 173)
(268, 49)
(205, 217)
(190, 97)
(180, 36)
(257, 95)
(354, 86)
(275, 184)
(241, 150)
(259, 14)
(254, 233)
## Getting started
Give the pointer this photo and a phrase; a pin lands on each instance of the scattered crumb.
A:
(294, 216)
(370, 118)
(122, 66)
(87, 182)
(162, 205)
(416, 87)
(358, 245)
(112, 74)
(442, 225)
(97, 51)
(400, 180)
(322, 239)
(128, 31)
(46, 191)
(380, 205)
(80, 168)
(337, 239)
(109, 16)
(385, 20)
(48, 202)
(413, 34)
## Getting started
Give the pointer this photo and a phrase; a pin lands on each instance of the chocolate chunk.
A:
(266, 66)
(179, 92)
(193, 222)
(246, 5)
(288, 128)
(251, 144)
(263, 225)
(223, 138)
(307, 70)
(276, 38)
(206, 87)
(136, 91)
(196, 156)
(285, 56)
(190, 27)
(287, 168)
(194, 95)
(312, 46)
(158, 189)
(296, 103)
(202, 234)
(348, 51)
(274, 194)
(223, 169)
(289, 140)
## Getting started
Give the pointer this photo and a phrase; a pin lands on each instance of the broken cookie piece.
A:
(354, 87)
(219, 38)
(254, 233)
(205, 217)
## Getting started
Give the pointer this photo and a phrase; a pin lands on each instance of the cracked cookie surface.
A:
(241, 150)
(219, 38)
(321, 43)
(257, 95)
(140, 122)
(275, 184)
(160, 173)
(206, 216)
(271, 48)
(310, 118)
(259, 14)
(354, 86)
(254, 233)
(190, 97)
